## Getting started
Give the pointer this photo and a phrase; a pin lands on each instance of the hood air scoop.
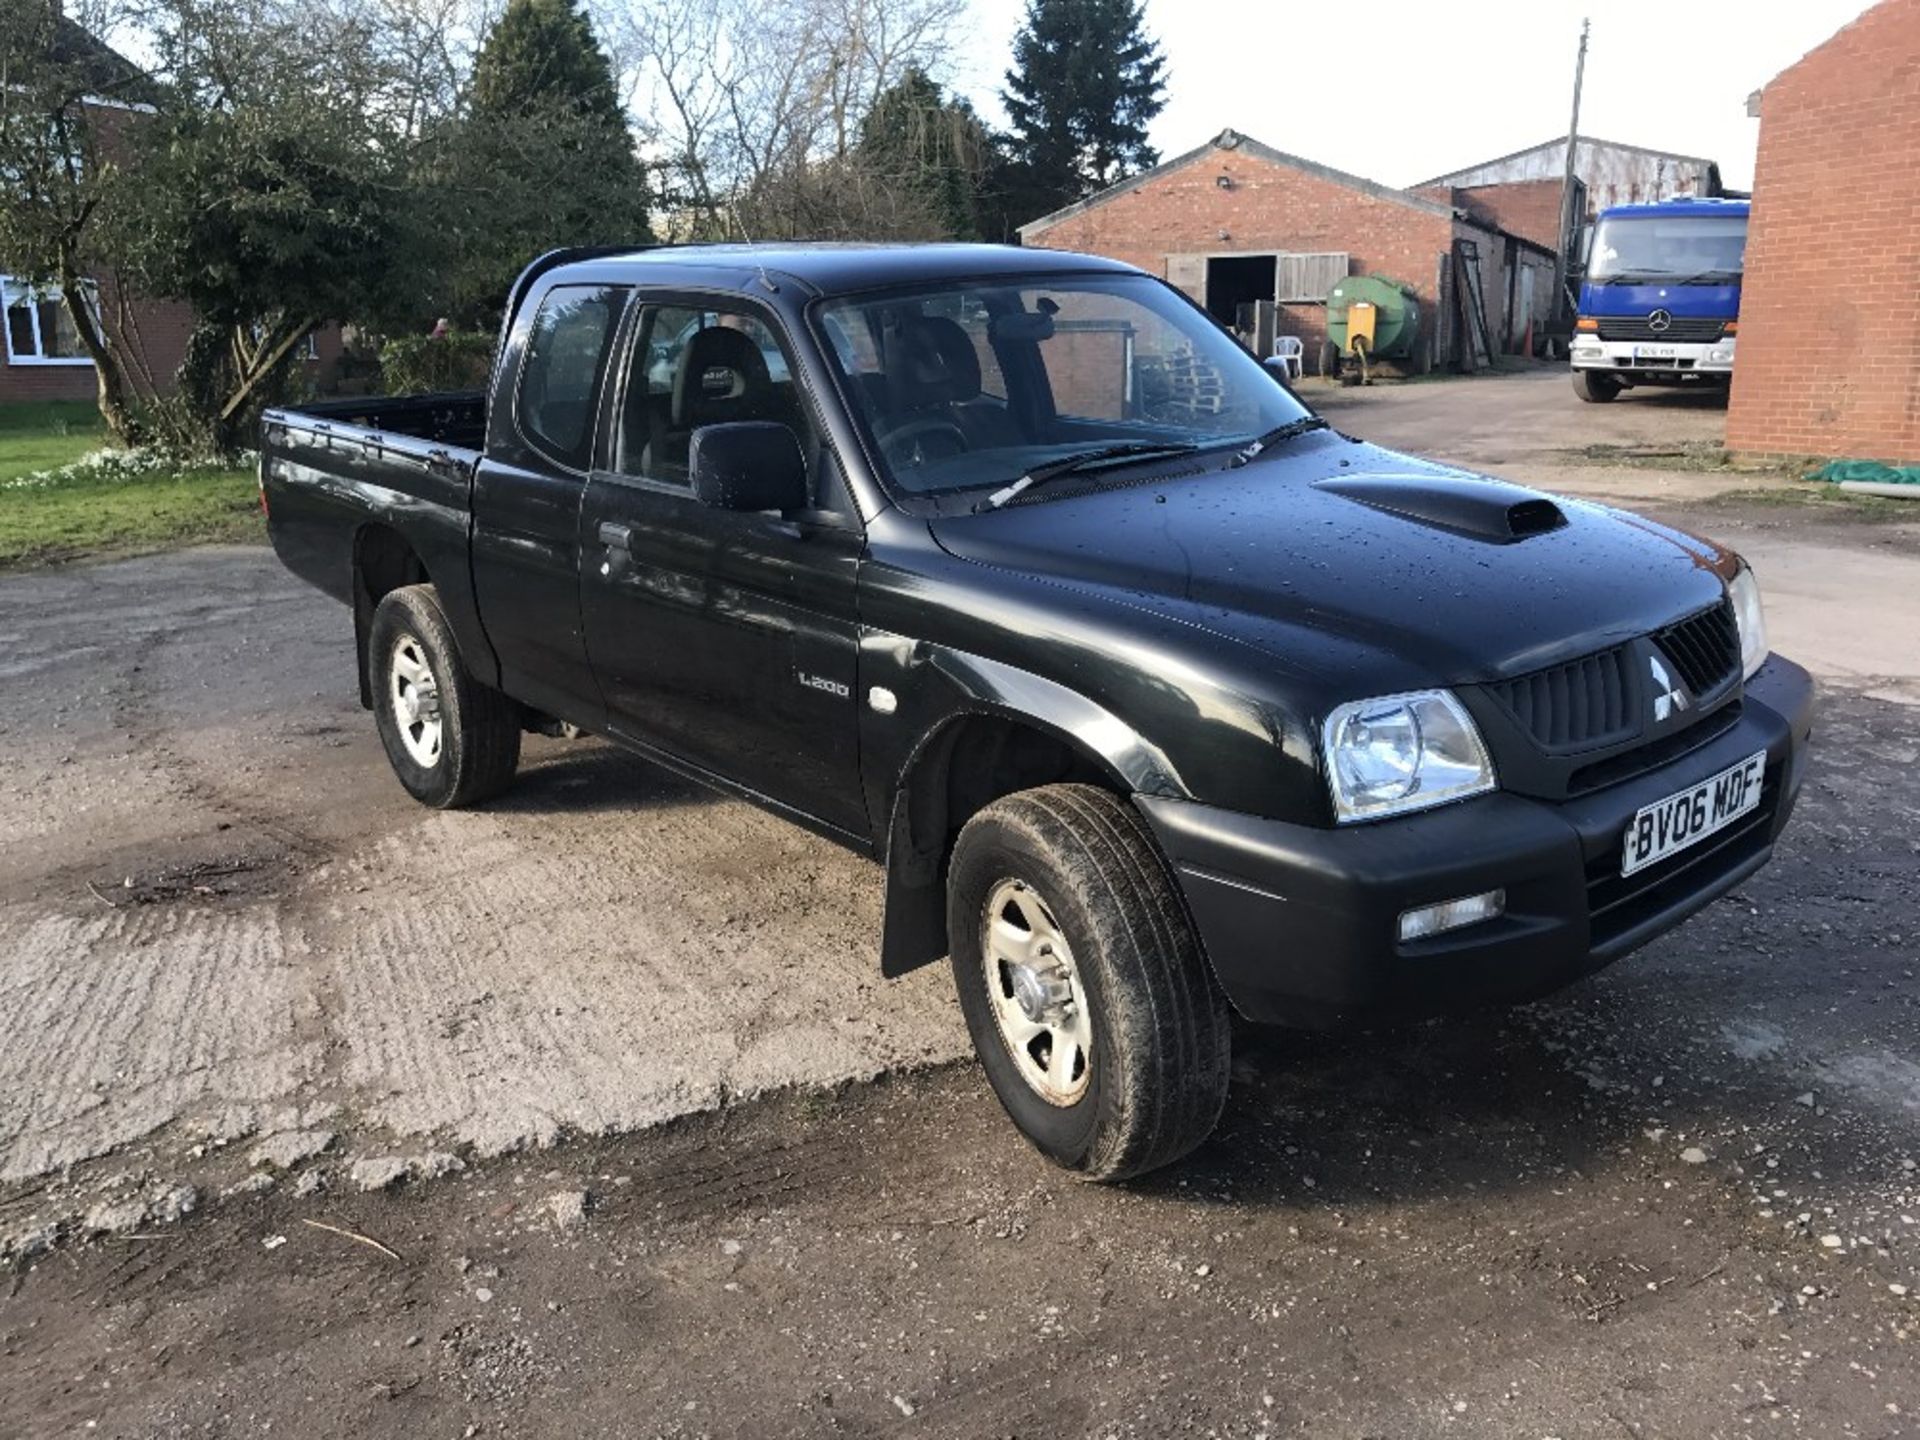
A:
(1484, 509)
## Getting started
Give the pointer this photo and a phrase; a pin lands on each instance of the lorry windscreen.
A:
(974, 384)
(1701, 249)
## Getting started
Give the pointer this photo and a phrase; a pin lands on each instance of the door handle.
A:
(617, 537)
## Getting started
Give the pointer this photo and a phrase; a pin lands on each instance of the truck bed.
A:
(331, 470)
(456, 419)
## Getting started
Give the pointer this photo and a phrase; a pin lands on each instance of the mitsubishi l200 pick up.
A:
(1156, 697)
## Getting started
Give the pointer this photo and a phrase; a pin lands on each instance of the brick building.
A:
(1235, 220)
(1527, 208)
(1829, 308)
(40, 355)
(43, 360)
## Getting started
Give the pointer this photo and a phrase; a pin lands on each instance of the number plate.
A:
(1655, 352)
(1671, 825)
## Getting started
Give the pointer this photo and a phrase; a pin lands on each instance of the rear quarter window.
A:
(560, 377)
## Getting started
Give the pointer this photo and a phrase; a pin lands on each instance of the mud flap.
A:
(914, 932)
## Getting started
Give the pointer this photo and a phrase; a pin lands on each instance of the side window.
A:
(698, 366)
(560, 375)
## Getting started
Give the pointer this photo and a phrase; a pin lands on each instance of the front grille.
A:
(1664, 751)
(1704, 648)
(1616, 903)
(1681, 330)
(1581, 705)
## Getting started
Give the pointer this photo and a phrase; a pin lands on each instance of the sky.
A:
(1401, 90)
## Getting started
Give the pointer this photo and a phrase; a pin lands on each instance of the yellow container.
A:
(1361, 315)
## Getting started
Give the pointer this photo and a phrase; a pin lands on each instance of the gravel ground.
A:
(249, 991)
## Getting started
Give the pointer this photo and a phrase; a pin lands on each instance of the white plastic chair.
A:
(1289, 349)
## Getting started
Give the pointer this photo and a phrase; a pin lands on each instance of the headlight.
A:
(1744, 591)
(1401, 753)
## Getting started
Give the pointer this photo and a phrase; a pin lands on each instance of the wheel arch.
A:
(990, 748)
(383, 561)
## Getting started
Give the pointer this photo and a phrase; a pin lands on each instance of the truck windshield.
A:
(1702, 249)
(972, 385)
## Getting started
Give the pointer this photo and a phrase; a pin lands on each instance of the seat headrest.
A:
(723, 376)
(930, 361)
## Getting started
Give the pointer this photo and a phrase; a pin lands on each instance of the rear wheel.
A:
(1595, 386)
(1088, 1000)
(452, 741)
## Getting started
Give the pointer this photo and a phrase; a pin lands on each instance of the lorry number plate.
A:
(1691, 815)
(1655, 352)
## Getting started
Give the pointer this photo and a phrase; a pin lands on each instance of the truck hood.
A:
(1334, 548)
(1711, 301)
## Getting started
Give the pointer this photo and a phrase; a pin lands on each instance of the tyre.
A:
(1592, 385)
(1089, 1002)
(452, 741)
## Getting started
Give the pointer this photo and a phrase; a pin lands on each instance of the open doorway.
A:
(1233, 280)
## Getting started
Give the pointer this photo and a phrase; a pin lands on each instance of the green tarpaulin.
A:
(1869, 471)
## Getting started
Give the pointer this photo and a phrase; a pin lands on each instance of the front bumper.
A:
(1633, 360)
(1301, 923)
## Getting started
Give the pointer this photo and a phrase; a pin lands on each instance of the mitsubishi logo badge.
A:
(1659, 321)
(1668, 697)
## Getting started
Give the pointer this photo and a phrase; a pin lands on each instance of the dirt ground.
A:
(248, 991)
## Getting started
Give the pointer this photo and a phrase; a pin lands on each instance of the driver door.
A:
(726, 641)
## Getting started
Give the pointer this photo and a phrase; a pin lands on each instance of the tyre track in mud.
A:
(604, 949)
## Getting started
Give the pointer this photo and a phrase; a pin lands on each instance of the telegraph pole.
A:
(1569, 227)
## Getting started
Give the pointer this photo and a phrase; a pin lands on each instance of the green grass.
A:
(47, 434)
(1699, 456)
(84, 518)
(1820, 498)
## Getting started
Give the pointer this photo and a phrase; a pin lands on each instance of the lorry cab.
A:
(1660, 301)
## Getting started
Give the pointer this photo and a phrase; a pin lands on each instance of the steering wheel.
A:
(919, 442)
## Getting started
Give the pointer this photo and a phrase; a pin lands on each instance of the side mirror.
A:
(1277, 365)
(748, 465)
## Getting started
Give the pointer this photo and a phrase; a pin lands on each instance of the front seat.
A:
(933, 373)
(722, 377)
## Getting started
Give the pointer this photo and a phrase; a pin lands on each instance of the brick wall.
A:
(1527, 208)
(1829, 351)
(1270, 207)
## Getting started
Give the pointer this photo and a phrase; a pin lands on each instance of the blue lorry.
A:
(1660, 300)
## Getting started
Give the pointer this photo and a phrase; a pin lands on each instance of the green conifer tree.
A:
(1086, 83)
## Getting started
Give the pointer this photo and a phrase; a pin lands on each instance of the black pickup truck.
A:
(1155, 696)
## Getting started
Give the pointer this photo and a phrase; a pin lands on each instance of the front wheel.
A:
(1594, 386)
(452, 741)
(1084, 989)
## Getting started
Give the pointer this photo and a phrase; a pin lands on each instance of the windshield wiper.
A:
(1279, 435)
(1086, 459)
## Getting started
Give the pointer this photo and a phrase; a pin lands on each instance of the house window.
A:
(40, 330)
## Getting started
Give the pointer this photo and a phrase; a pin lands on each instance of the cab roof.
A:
(1680, 205)
(825, 268)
